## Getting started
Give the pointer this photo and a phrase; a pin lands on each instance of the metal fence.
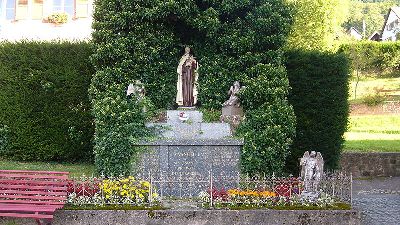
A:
(160, 187)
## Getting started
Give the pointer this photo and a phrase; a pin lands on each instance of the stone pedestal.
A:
(232, 111)
(187, 153)
(193, 127)
(182, 167)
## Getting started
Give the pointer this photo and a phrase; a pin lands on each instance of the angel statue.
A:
(233, 99)
(312, 167)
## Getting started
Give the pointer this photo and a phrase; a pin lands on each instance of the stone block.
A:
(214, 130)
(193, 116)
(232, 111)
(186, 160)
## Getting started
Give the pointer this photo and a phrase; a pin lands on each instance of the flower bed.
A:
(244, 193)
(238, 198)
(111, 191)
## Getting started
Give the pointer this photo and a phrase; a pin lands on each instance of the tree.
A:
(372, 13)
(317, 23)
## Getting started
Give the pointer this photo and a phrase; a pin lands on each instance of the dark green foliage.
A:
(44, 100)
(319, 94)
(4, 139)
(232, 40)
(371, 57)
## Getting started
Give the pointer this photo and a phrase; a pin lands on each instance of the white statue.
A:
(136, 89)
(233, 98)
(187, 80)
(311, 170)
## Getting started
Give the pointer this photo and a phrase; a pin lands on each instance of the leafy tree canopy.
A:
(317, 23)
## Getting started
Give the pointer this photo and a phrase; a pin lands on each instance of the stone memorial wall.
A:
(188, 164)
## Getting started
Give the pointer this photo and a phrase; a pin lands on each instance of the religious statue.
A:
(136, 90)
(312, 167)
(187, 80)
(233, 99)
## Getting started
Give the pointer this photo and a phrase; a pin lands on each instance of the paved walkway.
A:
(378, 199)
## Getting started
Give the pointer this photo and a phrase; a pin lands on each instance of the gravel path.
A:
(378, 199)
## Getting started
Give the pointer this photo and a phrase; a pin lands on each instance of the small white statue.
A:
(136, 89)
(312, 168)
(233, 98)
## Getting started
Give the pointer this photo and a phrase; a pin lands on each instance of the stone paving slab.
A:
(378, 199)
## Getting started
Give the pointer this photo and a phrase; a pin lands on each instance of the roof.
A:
(396, 11)
(374, 34)
(353, 28)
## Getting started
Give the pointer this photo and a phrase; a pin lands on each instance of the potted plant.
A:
(57, 18)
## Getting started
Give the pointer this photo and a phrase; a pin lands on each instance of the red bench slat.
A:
(19, 192)
(33, 197)
(33, 171)
(27, 215)
(35, 176)
(29, 187)
(32, 194)
(4, 206)
(34, 182)
(27, 208)
(32, 202)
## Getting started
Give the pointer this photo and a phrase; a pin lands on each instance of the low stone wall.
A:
(199, 217)
(371, 164)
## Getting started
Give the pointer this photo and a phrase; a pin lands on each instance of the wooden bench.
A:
(32, 194)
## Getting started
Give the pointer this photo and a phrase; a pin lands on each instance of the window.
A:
(74, 8)
(393, 25)
(10, 9)
(66, 6)
(37, 9)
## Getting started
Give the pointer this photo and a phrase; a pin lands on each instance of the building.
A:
(391, 27)
(353, 32)
(375, 36)
(28, 19)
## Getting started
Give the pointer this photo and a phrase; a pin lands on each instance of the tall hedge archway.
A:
(233, 40)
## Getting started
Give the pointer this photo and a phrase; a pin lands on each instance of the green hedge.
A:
(232, 40)
(371, 57)
(319, 94)
(44, 100)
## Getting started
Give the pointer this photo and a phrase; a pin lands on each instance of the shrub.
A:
(319, 82)
(44, 100)
(370, 57)
(232, 40)
(4, 139)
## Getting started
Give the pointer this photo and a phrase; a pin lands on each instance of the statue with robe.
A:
(187, 80)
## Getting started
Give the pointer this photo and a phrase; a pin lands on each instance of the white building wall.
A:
(389, 35)
(355, 34)
(79, 29)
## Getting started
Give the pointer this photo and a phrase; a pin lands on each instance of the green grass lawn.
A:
(373, 133)
(369, 86)
(76, 170)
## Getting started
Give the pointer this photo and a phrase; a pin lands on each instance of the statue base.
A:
(233, 116)
(186, 108)
(231, 110)
(310, 196)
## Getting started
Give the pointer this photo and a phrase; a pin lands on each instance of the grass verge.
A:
(76, 170)
(373, 133)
